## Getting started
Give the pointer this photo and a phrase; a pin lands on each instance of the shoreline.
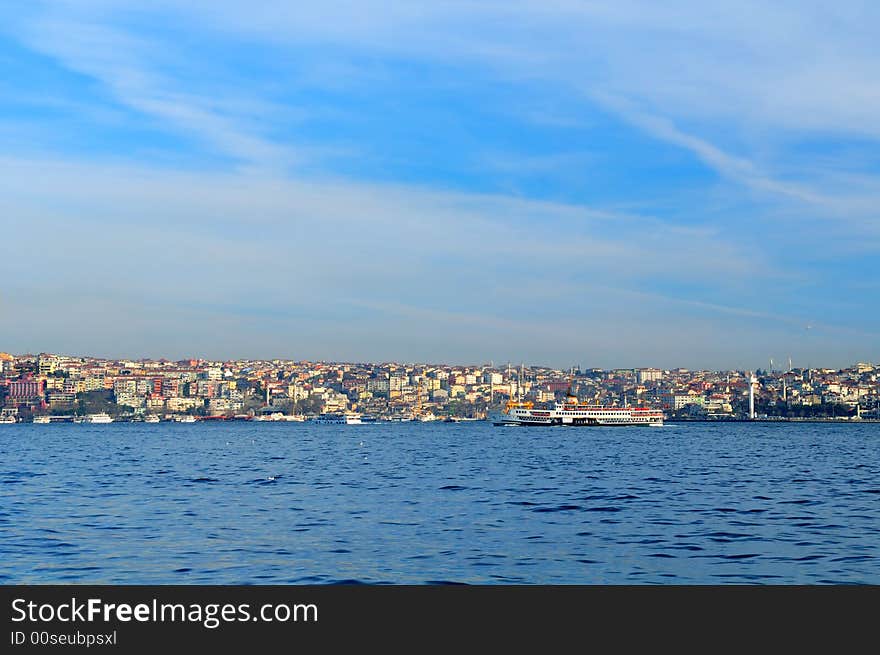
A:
(855, 421)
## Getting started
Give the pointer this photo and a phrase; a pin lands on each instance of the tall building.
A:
(47, 364)
(648, 375)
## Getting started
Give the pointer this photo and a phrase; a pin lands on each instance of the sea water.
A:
(288, 503)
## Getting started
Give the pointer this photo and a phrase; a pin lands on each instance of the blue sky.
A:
(595, 183)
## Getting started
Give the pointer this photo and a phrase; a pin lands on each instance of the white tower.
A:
(752, 382)
(519, 382)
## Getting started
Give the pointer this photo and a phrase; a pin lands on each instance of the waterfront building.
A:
(28, 390)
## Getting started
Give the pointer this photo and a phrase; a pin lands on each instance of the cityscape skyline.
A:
(52, 387)
(770, 364)
(781, 363)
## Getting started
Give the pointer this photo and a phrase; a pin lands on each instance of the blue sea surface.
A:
(287, 503)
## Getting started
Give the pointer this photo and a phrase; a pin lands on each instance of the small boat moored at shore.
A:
(339, 418)
(101, 417)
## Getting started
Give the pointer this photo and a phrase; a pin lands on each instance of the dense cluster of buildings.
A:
(51, 384)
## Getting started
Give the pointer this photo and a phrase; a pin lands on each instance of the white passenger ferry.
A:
(339, 418)
(572, 412)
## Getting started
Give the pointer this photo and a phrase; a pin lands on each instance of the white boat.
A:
(280, 416)
(571, 412)
(186, 418)
(152, 418)
(8, 420)
(102, 417)
(42, 419)
(339, 418)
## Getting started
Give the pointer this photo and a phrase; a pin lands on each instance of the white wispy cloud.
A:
(126, 65)
(684, 72)
(296, 254)
(737, 85)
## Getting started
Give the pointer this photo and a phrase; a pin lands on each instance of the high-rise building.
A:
(648, 375)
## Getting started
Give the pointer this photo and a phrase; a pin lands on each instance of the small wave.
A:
(560, 508)
(727, 535)
(445, 582)
(205, 480)
(452, 487)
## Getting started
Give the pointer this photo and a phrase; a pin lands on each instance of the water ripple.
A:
(242, 503)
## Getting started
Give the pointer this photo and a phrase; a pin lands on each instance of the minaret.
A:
(519, 382)
(752, 382)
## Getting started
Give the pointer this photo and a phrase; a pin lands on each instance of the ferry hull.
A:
(589, 424)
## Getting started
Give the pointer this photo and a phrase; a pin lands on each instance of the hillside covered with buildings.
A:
(33, 385)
